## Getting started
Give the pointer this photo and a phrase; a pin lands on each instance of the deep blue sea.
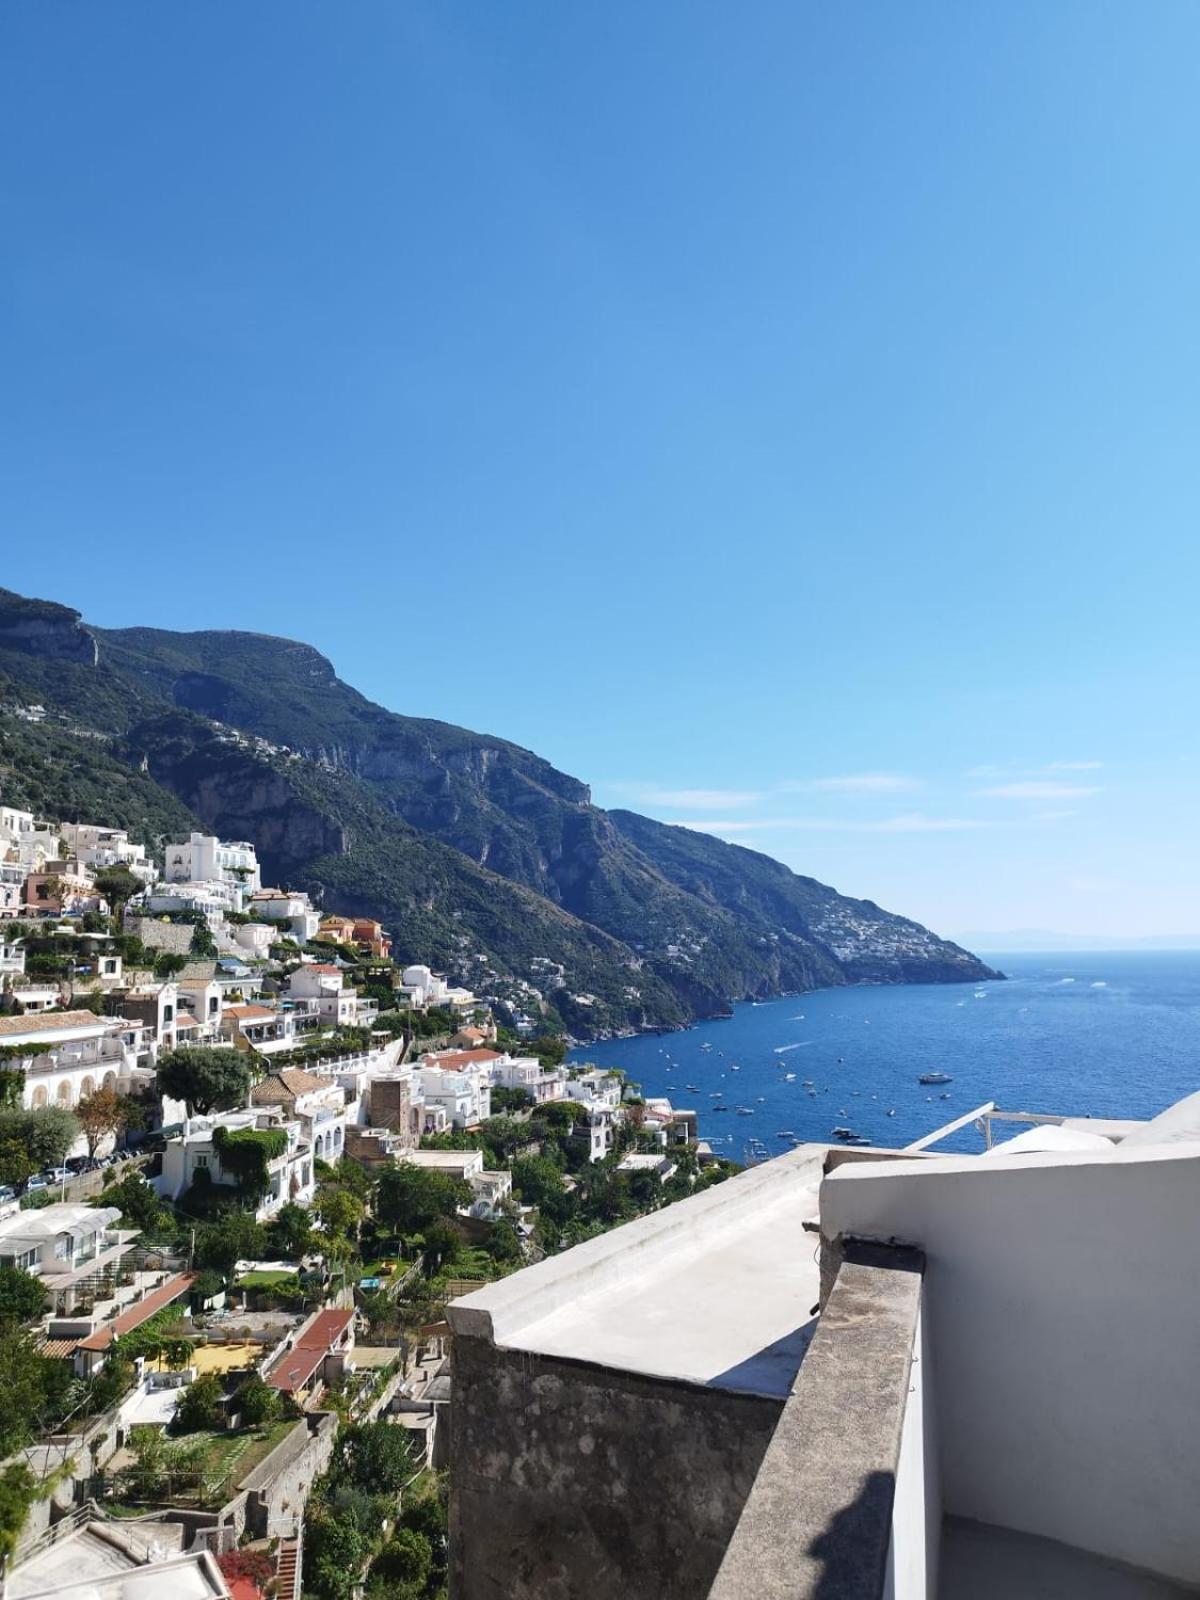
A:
(1106, 1034)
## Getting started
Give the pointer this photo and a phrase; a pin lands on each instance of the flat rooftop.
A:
(717, 1290)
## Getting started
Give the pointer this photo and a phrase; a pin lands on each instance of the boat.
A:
(745, 1111)
(718, 1108)
(789, 1077)
(786, 1133)
(843, 1133)
(935, 1077)
(692, 1088)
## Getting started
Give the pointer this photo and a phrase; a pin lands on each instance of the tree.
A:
(46, 1134)
(22, 1298)
(24, 1384)
(409, 1199)
(290, 1232)
(231, 1238)
(537, 1181)
(403, 1566)
(137, 1202)
(118, 885)
(378, 1457)
(106, 1111)
(340, 1214)
(16, 1164)
(511, 1100)
(200, 1405)
(442, 1244)
(205, 1080)
(258, 1402)
(334, 1551)
(17, 1489)
(203, 943)
(504, 1244)
(167, 964)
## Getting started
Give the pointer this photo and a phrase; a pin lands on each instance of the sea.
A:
(1103, 1034)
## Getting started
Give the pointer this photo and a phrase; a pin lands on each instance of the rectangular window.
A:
(200, 1161)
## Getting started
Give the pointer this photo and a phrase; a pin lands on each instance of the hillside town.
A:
(249, 1154)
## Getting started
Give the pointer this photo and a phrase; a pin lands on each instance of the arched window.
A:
(39, 1097)
(86, 1088)
(64, 1092)
(110, 1080)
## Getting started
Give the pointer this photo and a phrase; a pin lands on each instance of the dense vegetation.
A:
(478, 855)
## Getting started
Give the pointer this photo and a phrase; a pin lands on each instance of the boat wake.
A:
(782, 1049)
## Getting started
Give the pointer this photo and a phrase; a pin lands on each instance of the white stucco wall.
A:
(1060, 1298)
(912, 1570)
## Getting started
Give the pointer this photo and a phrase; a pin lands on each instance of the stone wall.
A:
(570, 1480)
(174, 937)
(276, 1490)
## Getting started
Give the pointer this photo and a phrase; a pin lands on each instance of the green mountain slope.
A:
(478, 854)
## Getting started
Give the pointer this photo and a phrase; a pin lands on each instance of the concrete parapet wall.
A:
(818, 1523)
(575, 1481)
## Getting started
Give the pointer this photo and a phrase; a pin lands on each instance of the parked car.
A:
(57, 1174)
(82, 1163)
(6, 1193)
(35, 1183)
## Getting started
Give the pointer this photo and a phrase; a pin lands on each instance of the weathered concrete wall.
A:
(278, 1487)
(818, 1524)
(570, 1481)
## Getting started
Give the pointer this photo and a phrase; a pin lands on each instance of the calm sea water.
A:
(1101, 1034)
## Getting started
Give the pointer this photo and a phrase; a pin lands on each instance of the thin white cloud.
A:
(1073, 766)
(913, 822)
(1052, 816)
(697, 799)
(852, 783)
(1038, 789)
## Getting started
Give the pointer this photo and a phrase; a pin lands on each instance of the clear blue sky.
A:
(726, 401)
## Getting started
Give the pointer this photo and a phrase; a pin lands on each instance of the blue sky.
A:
(783, 416)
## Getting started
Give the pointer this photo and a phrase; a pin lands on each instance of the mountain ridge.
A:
(456, 839)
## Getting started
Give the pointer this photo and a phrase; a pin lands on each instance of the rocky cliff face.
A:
(479, 854)
(45, 630)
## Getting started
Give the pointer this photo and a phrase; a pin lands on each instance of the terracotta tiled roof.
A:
(322, 966)
(142, 1312)
(46, 1021)
(250, 1013)
(286, 1084)
(293, 1368)
(455, 1060)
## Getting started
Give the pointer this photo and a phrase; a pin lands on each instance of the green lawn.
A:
(228, 1457)
(266, 1280)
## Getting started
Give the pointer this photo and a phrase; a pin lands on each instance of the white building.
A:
(423, 988)
(86, 1053)
(63, 1246)
(316, 1102)
(489, 1189)
(526, 1073)
(595, 1087)
(464, 1097)
(324, 985)
(195, 1150)
(211, 899)
(207, 859)
(12, 958)
(287, 907)
(98, 848)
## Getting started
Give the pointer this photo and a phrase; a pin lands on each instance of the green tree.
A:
(46, 1134)
(200, 1405)
(289, 1232)
(410, 1199)
(18, 1487)
(340, 1214)
(205, 1080)
(538, 1182)
(335, 1549)
(511, 1100)
(118, 886)
(443, 1244)
(25, 1386)
(258, 1402)
(22, 1298)
(233, 1237)
(378, 1457)
(403, 1566)
(203, 943)
(16, 1164)
(137, 1202)
(504, 1244)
